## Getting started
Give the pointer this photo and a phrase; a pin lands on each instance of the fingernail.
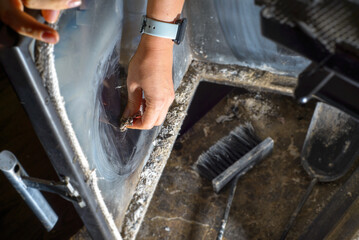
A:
(49, 37)
(73, 3)
(52, 16)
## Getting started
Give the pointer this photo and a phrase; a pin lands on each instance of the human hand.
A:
(150, 71)
(12, 14)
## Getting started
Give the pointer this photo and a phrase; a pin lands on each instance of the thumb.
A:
(133, 103)
(50, 15)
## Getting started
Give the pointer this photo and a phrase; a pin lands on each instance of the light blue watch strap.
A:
(159, 29)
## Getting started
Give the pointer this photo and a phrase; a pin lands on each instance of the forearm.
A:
(164, 10)
(150, 69)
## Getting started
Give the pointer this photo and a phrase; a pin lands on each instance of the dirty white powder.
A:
(163, 146)
(249, 78)
(258, 108)
(330, 131)
(356, 236)
(149, 178)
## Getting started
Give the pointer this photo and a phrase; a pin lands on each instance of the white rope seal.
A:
(45, 63)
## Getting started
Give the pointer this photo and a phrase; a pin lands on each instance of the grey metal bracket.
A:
(29, 187)
(63, 188)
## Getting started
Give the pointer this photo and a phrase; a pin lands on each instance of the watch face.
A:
(182, 24)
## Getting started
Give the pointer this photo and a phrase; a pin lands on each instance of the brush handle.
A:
(228, 207)
(244, 164)
(299, 207)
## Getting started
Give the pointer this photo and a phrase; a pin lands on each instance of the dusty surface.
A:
(251, 79)
(184, 205)
(163, 144)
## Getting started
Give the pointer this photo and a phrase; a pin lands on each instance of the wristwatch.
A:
(174, 31)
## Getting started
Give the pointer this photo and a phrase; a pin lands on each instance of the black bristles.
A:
(227, 151)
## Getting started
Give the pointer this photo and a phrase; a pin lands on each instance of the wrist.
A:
(149, 42)
(163, 18)
(154, 50)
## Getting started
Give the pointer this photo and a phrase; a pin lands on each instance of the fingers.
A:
(50, 15)
(148, 120)
(26, 25)
(162, 116)
(154, 115)
(12, 14)
(151, 71)
(133, 103)
(53, 4)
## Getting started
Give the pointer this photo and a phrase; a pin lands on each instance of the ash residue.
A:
(249, 78)
(256, 106)
(330, 131)
(163, 146)
(186, 203)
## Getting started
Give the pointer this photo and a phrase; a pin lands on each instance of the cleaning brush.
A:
(230, 158)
